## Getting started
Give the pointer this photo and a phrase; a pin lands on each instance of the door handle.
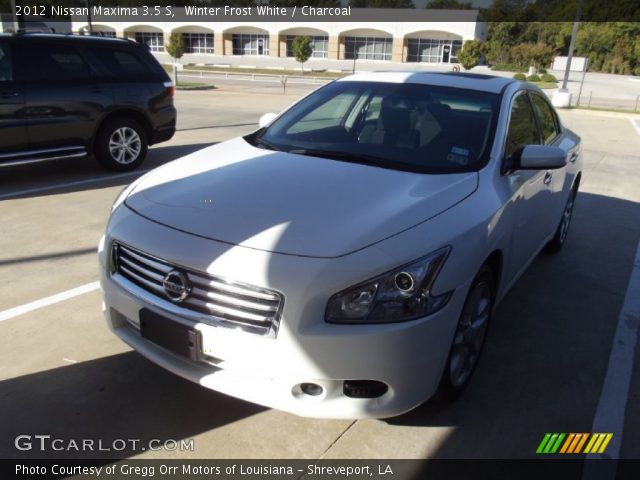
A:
(547, 178)
(573, 157)
(9, 94)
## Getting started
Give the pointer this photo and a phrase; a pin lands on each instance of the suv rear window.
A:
(50, 62)
(120, 62)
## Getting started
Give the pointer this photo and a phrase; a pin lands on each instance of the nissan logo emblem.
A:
(176, 286)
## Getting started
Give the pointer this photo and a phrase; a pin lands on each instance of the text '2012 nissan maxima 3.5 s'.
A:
(343, 260)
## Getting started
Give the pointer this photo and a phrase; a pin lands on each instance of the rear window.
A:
(120, 62)
(50, 62)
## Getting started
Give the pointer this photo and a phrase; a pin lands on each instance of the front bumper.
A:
(408, 357)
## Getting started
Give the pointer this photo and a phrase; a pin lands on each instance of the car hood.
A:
(289, 203)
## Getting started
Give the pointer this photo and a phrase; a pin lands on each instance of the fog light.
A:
(364, 388)
(311, 389)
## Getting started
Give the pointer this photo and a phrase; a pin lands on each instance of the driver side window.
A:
(522, 126)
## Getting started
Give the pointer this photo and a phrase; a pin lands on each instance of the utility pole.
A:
(562, 98)
(89, 24)
(15, 20)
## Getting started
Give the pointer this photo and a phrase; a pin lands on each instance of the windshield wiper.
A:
(264, 144)
(346, 156)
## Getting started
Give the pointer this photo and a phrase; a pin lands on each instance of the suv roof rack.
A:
(28, 30)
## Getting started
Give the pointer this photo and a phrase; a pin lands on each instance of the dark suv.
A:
(67, 96)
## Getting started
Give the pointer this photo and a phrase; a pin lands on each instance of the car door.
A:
(63, 100)
(13, 131)
(559, 183)
(531, 190)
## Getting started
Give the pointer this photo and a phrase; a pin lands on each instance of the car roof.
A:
(69, 37)
(469, 81)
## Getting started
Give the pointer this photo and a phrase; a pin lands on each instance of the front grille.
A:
(213, 299)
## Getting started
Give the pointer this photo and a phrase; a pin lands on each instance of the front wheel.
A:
(470, 335)
(121, 145)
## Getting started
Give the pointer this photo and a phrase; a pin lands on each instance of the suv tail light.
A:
(171, 89)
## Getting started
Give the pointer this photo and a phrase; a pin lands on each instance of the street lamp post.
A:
(562, 98)
(89, 24)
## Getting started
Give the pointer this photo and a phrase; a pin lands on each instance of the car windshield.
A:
(403, 126)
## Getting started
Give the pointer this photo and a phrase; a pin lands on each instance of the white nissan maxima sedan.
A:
(343, 260)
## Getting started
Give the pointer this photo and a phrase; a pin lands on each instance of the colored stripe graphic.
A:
(574, 443)
(550, 443)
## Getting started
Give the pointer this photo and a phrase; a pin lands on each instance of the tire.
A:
(469, 337)
(121, 145)
(560, 237)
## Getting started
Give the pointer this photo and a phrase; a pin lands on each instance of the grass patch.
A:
(269, 71)
(194, 86)
(546, 85)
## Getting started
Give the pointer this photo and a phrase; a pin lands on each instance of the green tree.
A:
(448, 5)
(311, 3)
(302, 49)
(381, 4)
(470, 54)
(175, 46)
(531, 54)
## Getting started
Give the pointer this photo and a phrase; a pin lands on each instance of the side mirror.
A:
(540, 157)
(266, 119)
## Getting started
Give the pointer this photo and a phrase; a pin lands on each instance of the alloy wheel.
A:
(125, 145)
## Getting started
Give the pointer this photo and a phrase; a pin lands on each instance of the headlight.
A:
(400, 295)
(125, 193)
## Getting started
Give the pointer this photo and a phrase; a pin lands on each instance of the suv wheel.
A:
(470, 335)
(121, 144)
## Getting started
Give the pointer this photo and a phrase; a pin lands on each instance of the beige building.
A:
(423, 42)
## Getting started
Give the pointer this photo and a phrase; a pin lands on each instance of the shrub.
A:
(542, 70)
(470, 54)
(547, 77)
(508, 67)
(520, 76)
(533, 78)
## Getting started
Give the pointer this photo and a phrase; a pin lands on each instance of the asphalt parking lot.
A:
(556, 360)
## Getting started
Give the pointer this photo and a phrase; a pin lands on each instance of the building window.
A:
(427, 50)
(198, 42)
(320, 45)
(153, 40)
(250, 44)
(368, 48)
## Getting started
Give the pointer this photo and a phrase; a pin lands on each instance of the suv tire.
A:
(121, 144)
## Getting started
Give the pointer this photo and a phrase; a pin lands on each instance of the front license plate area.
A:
(171, 335)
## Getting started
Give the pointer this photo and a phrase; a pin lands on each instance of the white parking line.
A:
(609, 416)
(45, 302)
(635, 125)
(31, 191)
